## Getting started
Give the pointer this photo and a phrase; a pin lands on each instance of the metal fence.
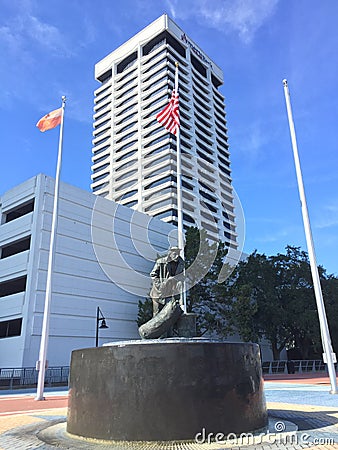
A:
(297, 366)
(58, 376)
(28, 377)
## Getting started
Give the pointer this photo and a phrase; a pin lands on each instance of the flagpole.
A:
(41, 363)
(179, 198)
(325, 334)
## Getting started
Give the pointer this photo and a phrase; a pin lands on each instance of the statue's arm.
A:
(180, 270)
(155, 273)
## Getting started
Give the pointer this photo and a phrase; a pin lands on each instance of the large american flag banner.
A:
(169, 117)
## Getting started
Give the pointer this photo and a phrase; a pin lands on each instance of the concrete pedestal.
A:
(165, 390)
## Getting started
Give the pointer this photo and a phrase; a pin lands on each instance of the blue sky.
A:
(49, 49)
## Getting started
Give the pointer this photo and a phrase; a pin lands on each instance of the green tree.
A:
(296, 293)
(204, 260)
(269, 297)
(145, 311)
(330, 294)
(272, 297)
(255, 309)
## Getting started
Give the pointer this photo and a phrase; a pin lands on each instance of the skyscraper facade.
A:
(134, 157)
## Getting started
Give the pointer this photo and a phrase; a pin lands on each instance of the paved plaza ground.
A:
(302, 412)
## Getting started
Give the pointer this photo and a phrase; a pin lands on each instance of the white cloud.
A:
(329, 217)
(7, 36)
(25, 40)
(44, 34)
(90, 31)
(275, 235)
(243, 17)
(24, 32)
(171, 5)
(251, 142)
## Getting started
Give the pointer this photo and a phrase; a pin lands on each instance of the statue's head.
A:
(173, 253)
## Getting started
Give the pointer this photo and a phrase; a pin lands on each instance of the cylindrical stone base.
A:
(166, 390)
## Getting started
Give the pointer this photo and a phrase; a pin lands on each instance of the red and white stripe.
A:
(169, 117)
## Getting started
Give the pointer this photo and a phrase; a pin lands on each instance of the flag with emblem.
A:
(50, 120)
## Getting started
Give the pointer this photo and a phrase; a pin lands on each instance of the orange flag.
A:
(50, 120)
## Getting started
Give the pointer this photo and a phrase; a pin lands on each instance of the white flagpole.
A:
(41, 363)
(329, 355)
(179, 198)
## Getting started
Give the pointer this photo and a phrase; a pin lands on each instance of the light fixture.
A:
(99, 318)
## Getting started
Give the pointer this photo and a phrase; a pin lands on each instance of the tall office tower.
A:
(134, 157)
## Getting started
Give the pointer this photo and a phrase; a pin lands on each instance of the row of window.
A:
(10, 328)
(13, 286)
(128, 75)
(163, 39)
(18, 211)
(15, 247)
(159, 129)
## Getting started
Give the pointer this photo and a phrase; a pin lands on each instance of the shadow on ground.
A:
(306, 420)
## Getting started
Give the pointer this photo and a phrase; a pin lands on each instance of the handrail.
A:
(293, 366)
(14, 378)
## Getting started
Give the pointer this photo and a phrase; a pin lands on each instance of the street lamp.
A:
(102, 325)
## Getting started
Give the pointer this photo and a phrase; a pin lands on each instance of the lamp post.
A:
(99, 318)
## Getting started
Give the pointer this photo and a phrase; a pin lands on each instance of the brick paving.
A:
(28, 424)
(304, 378)
(11, 405)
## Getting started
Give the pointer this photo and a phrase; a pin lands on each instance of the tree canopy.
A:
(270, 297)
